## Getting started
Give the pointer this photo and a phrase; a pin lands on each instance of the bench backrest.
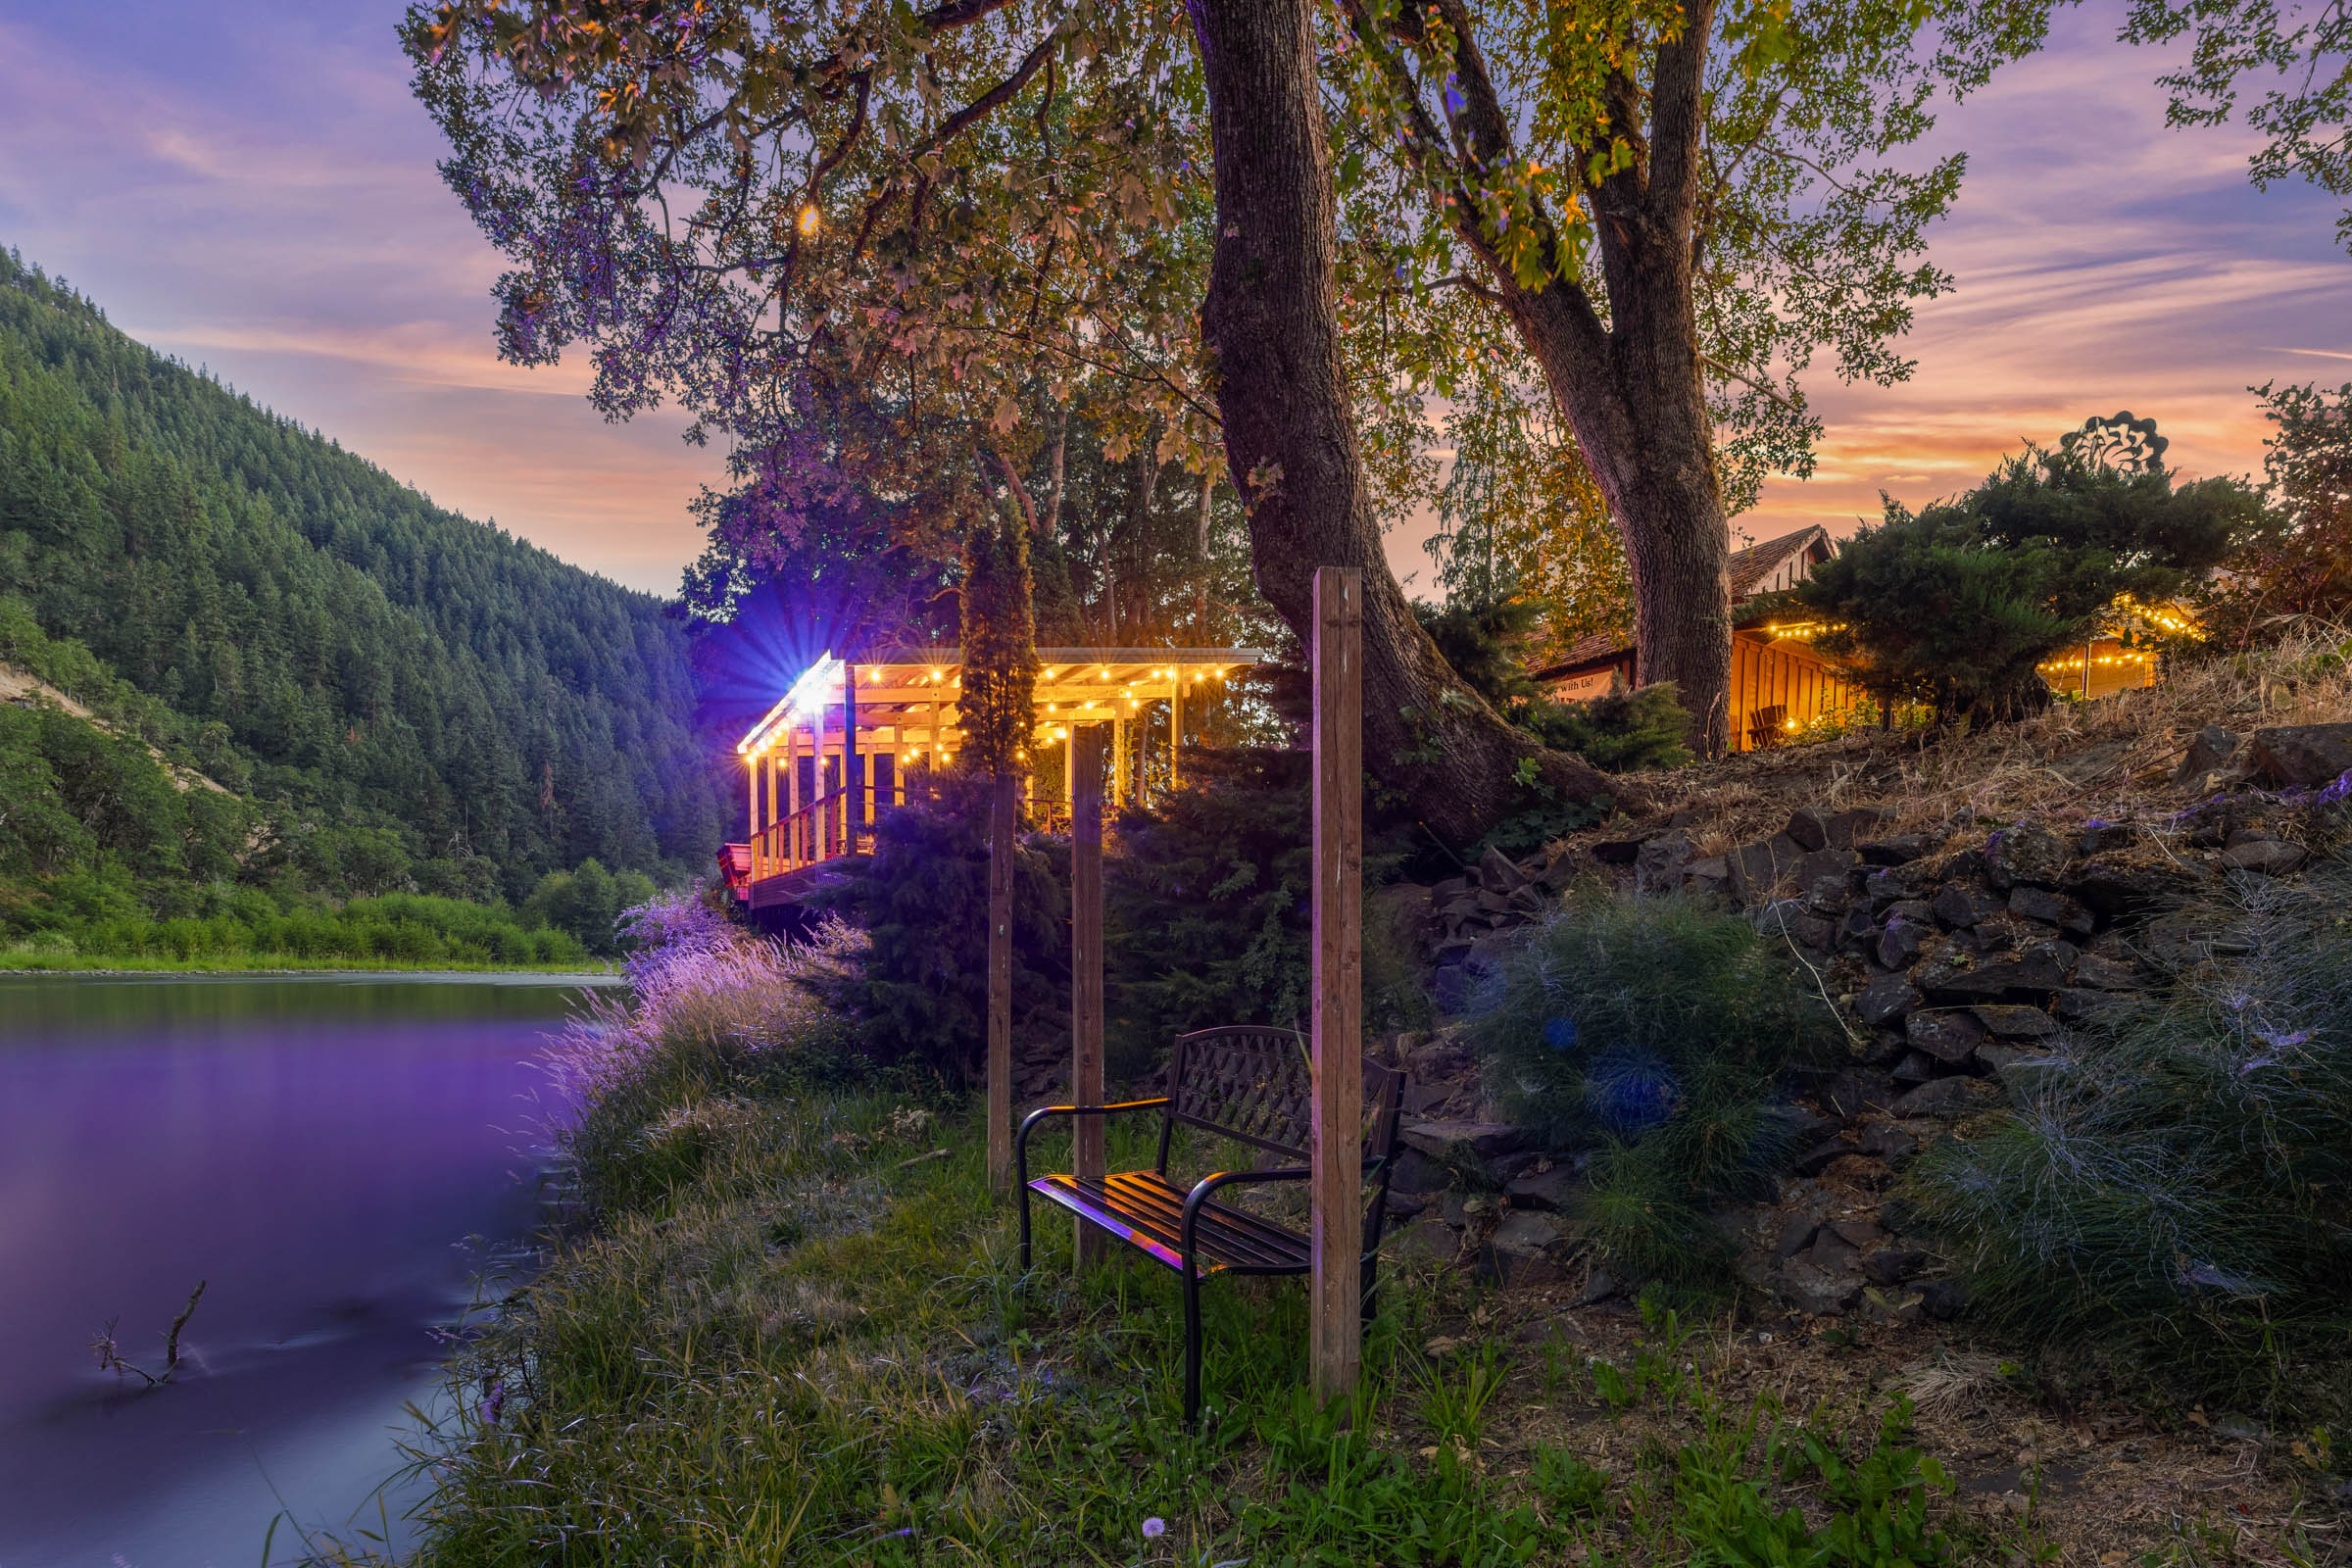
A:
(1254, 1084)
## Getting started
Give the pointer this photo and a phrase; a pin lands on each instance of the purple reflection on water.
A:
(319, 1151)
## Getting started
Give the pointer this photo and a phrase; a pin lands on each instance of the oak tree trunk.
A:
(1638, 410)
(1271, 322)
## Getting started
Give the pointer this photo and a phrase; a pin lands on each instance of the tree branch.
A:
(1766, 388)
(988, 102)
(1012, 483)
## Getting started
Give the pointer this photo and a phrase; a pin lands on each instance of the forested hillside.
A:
(402, 698)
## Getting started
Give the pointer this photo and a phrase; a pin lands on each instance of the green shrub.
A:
(921, 993)
(1956, 606)
(1621, 730)
(1618, 730)
(1664, 1037)
(1207, 910)
(2173, 1191)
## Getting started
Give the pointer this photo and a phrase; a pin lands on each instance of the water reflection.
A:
(319, 1151)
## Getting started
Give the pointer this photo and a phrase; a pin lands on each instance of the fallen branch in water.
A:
(110, 1352)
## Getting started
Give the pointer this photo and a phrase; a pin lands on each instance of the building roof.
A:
(1750, 570)
(1750, 567)
(903, 690)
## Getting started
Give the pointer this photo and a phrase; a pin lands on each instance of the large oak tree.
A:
(984, 203)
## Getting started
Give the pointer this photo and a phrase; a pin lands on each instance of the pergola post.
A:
(792, 795)
(853, 767)
(1335, 1300)
(1085, 971)
(1003, 820)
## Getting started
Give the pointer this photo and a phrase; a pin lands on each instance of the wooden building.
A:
(847, 739)
(1781, 688)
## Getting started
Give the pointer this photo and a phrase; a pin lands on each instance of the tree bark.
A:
(1638, 406)
(1051, 527)
(1208, 490)
(1271, 322)
(1632, 390)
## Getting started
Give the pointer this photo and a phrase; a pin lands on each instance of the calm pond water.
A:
(340, 1158)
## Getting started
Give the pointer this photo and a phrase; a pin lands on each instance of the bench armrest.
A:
(1204, 1189)
(1021, 1142)
(1207, 1185)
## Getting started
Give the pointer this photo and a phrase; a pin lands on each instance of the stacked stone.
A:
(1963, 971)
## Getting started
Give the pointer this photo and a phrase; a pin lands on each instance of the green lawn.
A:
(798, 1342)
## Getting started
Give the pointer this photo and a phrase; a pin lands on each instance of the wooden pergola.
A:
(844, 739)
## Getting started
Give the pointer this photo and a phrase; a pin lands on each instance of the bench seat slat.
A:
(1146, 1210)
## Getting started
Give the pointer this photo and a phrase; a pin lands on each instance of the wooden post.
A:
(1086, 970)
(792, 795)
(1003, 822)
(1335, 1299)
(852, 767)
(1175, 726)
(1118, 760)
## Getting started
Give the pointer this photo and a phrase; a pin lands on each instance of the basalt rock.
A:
(1810, 828)
(1901, 943)
(2121, 886)
(2303, 755)
(1948, 1097)
(2208, 748)
(1964, 906)
(1887, 1000)
(1949, 1036)
(2027, 853)
(2265, 857)
(2012, 1022)
(1897, 849)
(1755, 868)
(2051, 907)
(2105, 974)
(1961, 977)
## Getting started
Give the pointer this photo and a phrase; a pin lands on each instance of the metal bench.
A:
(1250, 1085)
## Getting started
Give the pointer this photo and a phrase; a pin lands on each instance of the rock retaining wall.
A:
(1962, 961)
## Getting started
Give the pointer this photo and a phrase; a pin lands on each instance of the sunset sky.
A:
(255, 192)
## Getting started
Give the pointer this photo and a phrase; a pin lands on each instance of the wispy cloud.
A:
(260, 193)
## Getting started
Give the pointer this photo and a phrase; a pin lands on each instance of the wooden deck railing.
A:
(820, 830)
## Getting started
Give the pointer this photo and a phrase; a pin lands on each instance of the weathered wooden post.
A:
(1336, 1282)
(853, 765)
(1004, 824)
(1085, 970)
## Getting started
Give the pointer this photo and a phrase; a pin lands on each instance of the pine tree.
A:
(999, 645)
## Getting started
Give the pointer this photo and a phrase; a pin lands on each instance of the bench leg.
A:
(1191, 1346)
(1368, 1289)
(1024, 1227)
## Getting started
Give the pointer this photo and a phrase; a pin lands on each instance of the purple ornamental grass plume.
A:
(696, 980)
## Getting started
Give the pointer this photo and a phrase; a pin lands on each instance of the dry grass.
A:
(2112, 758)
(2093, 1487)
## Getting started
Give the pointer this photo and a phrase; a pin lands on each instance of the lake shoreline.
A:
(136, 968)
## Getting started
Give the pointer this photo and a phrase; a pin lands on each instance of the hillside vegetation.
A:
(299, 674)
